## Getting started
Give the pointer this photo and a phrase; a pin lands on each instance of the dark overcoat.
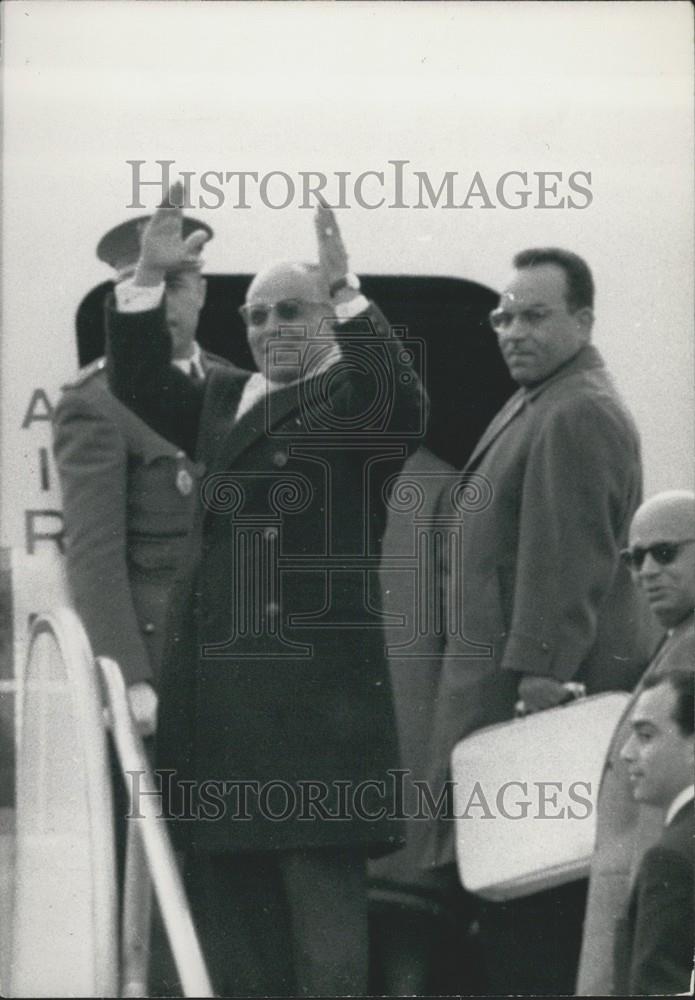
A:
(547, 500)
(275, 678)
(625, 830)
(654, 937)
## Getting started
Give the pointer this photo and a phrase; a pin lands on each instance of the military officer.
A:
(128, 502)
(128, 494)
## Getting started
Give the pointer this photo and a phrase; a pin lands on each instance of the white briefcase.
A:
(525, 797)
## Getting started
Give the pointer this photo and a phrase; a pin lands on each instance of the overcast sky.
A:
(604, 88)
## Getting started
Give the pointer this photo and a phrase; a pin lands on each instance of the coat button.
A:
(184, 482)
(545, 647)
(280, 459)
(148, 628)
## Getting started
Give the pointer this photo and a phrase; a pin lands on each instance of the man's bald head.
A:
(279, 282)
(662, 543)
(290, 300)
(671, 514)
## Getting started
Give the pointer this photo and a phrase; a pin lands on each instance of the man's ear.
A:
(585, 319)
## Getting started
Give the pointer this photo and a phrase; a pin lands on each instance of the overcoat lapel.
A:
(508, 412)
(585, 359)
(267, 412)
(221, 401)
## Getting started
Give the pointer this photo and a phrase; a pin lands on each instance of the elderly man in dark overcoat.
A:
(276, 704)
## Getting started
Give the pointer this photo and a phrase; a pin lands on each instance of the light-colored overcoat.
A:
(551, 490)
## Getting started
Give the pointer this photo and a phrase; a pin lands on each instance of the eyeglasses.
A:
(662, 553)
(287, 311)
(502, 319)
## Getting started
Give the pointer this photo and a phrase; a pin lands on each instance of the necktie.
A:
(196, 373)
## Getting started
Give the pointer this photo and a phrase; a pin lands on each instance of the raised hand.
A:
(333, 258)
(162, 246)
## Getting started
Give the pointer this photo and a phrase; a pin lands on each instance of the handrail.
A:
(64, 939)
(65, 926)
(158, 850)
(136, 912)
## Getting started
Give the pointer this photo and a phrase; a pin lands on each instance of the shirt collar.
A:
(194, 360)
(687, 795)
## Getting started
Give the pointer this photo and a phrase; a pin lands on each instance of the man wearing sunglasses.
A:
(661, 557)
(275, 680)
(546, 600)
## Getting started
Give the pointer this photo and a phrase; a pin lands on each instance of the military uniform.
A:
(128, 501)
(128, 498)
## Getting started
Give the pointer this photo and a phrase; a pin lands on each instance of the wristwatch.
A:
(348, 280)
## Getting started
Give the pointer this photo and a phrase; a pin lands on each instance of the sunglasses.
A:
(662, 553)
(287, 311)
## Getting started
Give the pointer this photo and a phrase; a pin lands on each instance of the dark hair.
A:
(683, 684)
(580, 284)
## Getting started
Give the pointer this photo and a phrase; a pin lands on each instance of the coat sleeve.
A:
(140, 374)
(662, 949)
(92, 461)
(582, 479)
(383, 378)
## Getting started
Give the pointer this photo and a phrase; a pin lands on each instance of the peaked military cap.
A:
(120, 247)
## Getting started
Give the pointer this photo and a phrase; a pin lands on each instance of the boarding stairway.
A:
(65, 934)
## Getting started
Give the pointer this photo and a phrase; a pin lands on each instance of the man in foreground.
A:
(546, 600)
(661, 556)
(276, 704)
(655, 938)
